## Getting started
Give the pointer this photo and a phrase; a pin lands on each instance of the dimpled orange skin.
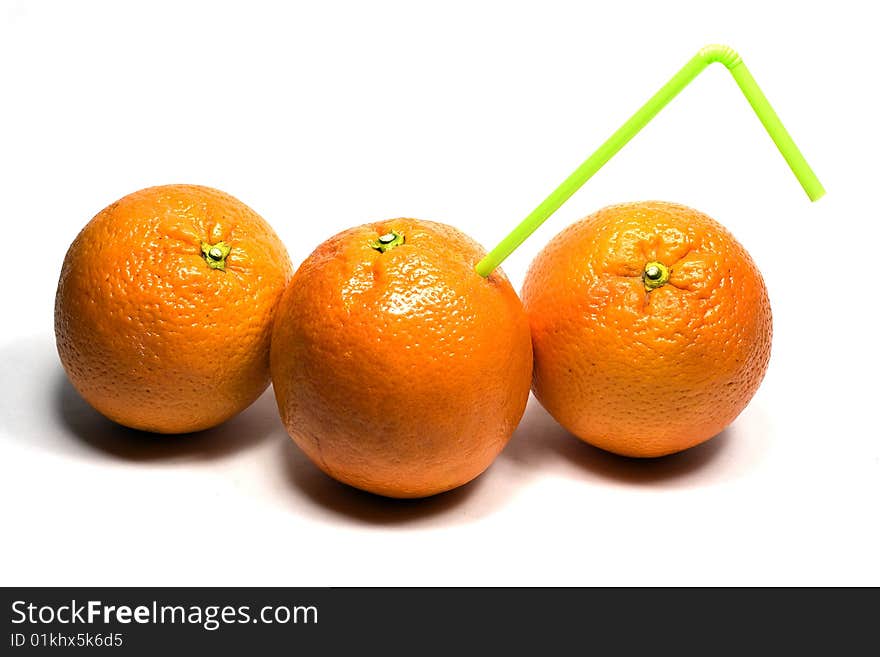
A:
(401, 373)
(149, 334)
(646, 373)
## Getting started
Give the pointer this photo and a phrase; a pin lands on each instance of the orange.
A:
(651, 328)
(164, 308)
(396, 367)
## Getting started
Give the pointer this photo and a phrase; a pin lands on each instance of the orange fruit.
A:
(396, 367)
(651, 328)
(164, 308)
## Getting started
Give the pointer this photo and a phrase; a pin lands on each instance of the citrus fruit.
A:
(396, 367)
(164, 308)
(651, 328)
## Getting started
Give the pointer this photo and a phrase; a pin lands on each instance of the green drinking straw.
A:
(724, 54)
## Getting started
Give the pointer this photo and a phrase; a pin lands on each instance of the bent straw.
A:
(639, 120)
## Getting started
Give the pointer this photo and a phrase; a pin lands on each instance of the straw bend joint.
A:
(718, 53)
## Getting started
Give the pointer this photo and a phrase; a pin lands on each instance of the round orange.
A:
(396, 367)
(651, 328)
(164, 308)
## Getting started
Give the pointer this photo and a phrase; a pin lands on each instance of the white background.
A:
(329, 115)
